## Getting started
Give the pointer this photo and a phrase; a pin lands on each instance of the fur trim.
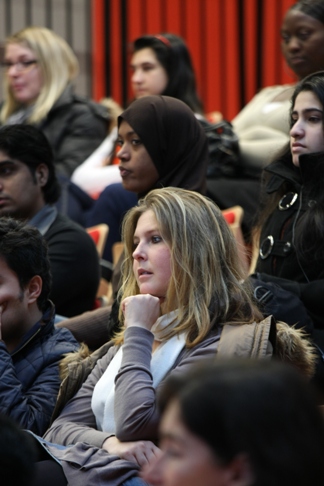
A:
(293, 346)
(72, 359)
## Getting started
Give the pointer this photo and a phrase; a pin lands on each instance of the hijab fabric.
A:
(173, 138)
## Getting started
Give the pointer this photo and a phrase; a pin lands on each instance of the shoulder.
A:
(253, 340)
(64, 225)
(273, 91)
(59, 342)
(72, 104)
(66, 232)
(205, 349)
(49, 346)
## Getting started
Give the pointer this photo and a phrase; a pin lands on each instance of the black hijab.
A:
(174, 139)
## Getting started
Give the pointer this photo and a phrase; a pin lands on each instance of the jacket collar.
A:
(309, 172)
(46, 322)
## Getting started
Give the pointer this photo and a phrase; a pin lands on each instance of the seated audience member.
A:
(235, 422)
(28, 190)
(290, 230)
(17, 454)
(30, 346)
(100, 169)
(182, 282)
(39, 70)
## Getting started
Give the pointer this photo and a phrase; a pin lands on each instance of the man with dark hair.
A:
(28, 190)
(30, 346)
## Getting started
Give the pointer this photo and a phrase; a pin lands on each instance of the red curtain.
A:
(235, 45)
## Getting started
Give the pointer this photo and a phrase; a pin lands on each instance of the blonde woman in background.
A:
(39, 70)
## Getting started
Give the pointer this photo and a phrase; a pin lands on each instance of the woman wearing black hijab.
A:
(176, 144)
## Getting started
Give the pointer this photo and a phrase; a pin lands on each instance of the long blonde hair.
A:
(58, 65)
(207, 278)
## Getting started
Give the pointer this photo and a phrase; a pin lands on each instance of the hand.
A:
(141, 452)
(141, 310)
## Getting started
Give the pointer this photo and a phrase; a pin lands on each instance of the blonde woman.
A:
(181, 282)
(39, 70)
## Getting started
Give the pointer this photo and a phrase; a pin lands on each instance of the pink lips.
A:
(296, 60)
(297, 145)
(123, 172)
(143, 273)
(17, 87)
(3, 200)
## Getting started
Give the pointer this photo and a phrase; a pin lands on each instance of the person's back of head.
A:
(29, 145)
(263, 410)
(17, 455)
(24, 250)
(173, 54)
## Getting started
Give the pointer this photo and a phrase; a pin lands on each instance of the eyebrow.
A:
(149, 232)
(142, 63)
(131, 132)
(8, 161)
(307, 110)
(171, 436)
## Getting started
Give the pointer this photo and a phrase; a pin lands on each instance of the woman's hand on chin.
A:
(141, 310)
(141, 452)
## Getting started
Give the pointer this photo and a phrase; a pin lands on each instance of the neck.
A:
(33, 316)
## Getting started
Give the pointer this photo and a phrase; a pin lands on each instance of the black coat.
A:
(74, 265)
(74, 127)
(298, 270)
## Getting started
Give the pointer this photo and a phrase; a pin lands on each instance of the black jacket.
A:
(74, 127)
(30, 379)
(74, 265)
(298, 270)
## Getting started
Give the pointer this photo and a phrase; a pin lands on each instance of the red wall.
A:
(235, 45)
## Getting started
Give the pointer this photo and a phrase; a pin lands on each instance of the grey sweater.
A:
(136, 413)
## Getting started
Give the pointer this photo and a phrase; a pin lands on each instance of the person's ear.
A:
(239, 472)
(41, 174)
(34, 289)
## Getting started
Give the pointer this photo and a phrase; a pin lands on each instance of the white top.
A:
(263, 126)
(92, 176)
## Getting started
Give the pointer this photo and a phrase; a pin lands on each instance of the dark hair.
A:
(17, 454)
(29, 145)
(263, 409)
(313, 8)
(174, 56)
(313, 82)
(25, 252)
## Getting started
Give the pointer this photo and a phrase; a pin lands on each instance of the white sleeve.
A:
(91, 175)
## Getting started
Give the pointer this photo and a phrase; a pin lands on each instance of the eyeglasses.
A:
(21, 66)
